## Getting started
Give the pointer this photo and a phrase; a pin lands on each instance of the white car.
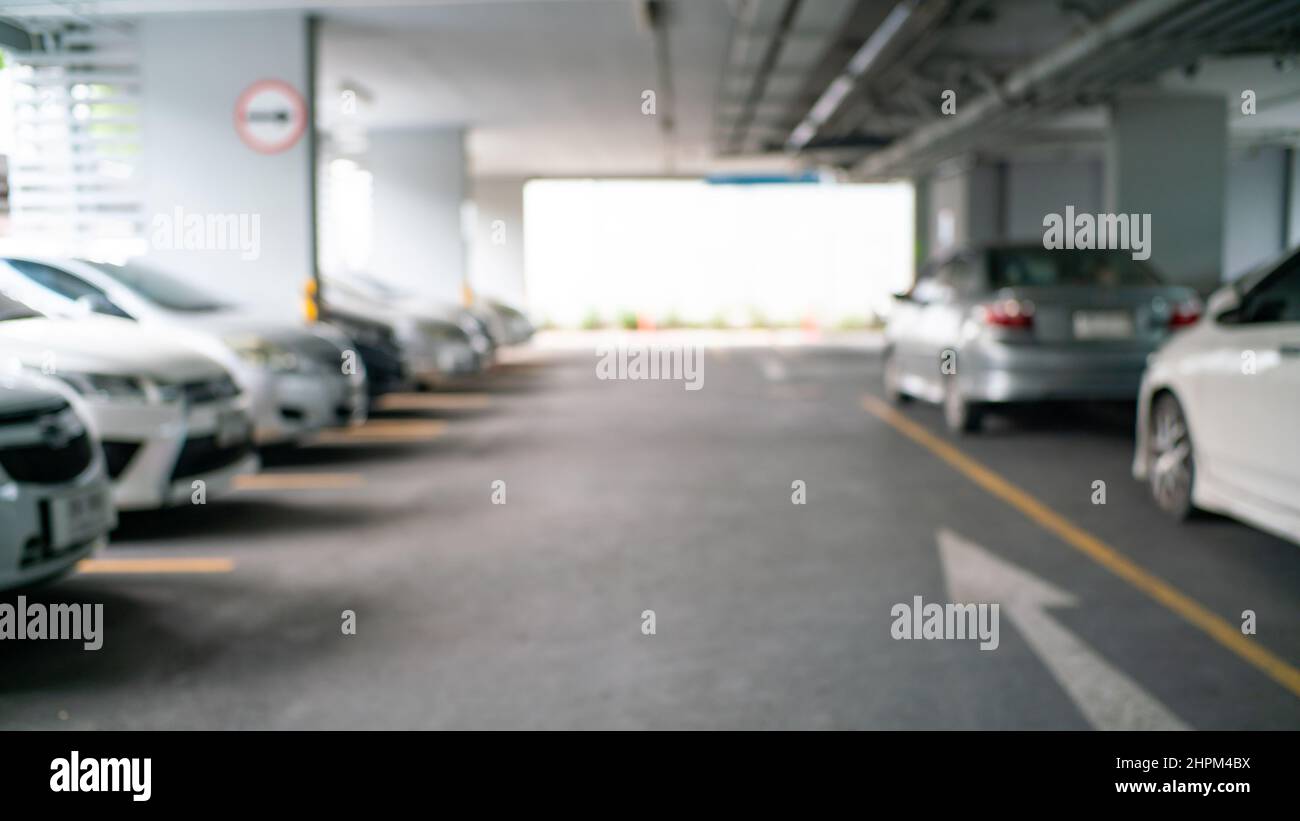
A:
(1219, 409)
(55, 500)
(296, 375)
(166, 415)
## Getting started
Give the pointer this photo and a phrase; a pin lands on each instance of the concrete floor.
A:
(628, 496)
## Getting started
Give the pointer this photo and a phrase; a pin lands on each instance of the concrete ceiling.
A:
(554, 87)
(546, 88)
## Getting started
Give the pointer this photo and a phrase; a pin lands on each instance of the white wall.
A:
(496, 253)
(1255, 189)
(699, 253)
(193, 69)
(418, 189)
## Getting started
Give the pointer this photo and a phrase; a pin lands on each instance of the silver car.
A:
(1021, 323)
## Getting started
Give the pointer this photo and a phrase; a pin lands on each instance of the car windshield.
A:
(11, 308)
(1045, 268)
(162, 289)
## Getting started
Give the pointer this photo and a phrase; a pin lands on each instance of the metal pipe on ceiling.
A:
(1124, 22)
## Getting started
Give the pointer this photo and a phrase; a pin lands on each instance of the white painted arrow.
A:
(1108, 698)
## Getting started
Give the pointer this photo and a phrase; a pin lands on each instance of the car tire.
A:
(893, 393)
(1172, 471)
(959, 413)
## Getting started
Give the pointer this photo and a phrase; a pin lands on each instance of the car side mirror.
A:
(97, 304)
(84, 306)
(1224, 304)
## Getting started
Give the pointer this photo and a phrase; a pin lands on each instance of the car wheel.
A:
(1173, 465)
(892, 390)
(960, 414)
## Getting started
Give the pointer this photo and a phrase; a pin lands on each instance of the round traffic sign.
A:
(270, 116)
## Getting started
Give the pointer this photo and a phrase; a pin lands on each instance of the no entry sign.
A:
(270, 116)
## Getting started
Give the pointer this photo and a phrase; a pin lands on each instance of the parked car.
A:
(437, 340)
(1020, 323)
(292, 373)
(165, 414)
(516, 328)
(1219, 410)
(56, 503)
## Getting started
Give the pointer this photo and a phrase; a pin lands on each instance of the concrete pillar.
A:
(1292, 210)
(496, 258)
(922, 222)
(1166, 156)
(1257, 208)
(197, 169)
(977, 199)
(965, 204)
(419, 191)
(1037, 186)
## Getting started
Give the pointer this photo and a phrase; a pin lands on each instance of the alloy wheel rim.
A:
(1171, 447)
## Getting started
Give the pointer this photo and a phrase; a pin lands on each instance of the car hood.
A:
(105, 345)
(231, 324)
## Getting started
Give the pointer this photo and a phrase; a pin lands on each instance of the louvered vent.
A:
(74, 176)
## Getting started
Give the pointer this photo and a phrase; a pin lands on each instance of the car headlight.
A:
(103, 386)
(262, 353)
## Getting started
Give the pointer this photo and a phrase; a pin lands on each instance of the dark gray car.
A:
(1022, 323)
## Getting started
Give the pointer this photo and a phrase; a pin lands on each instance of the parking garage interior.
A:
(624, 428)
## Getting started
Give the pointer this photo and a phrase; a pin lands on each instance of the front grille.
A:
(46, 465)
(202, 455)
(30, 415)
(118, 455)
(209, 390)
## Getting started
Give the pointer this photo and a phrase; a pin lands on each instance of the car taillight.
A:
(1008, 313)
(1185, 313)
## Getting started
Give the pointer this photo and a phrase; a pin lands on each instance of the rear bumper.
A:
(1010, 373)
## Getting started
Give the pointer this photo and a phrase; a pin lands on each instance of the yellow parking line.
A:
(386, 430)
(432, 401)
(174, 564)
(1108, 557)
(298, 481)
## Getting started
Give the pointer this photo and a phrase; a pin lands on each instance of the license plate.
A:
(81, 517)
(1103, 325)
(232, 429)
